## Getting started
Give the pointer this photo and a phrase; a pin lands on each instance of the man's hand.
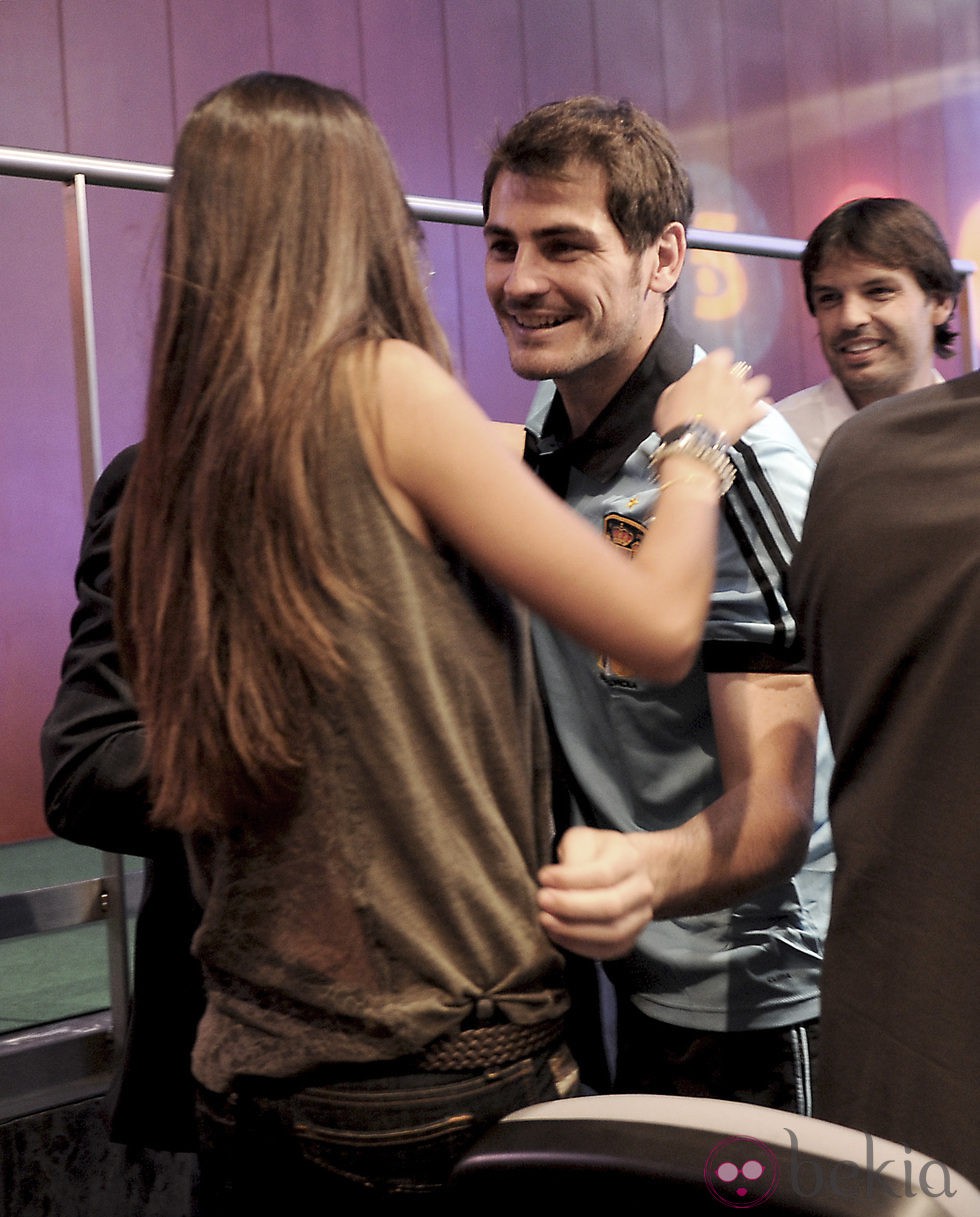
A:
(598, 896)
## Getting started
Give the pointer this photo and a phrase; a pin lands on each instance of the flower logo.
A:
(741, 1172)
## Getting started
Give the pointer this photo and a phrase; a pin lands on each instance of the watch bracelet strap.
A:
(700, 442)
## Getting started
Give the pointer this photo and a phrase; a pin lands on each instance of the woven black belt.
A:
(489, 1047)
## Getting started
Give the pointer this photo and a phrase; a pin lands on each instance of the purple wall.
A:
(782, 108)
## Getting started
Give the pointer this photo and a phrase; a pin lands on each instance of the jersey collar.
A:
(602, 449)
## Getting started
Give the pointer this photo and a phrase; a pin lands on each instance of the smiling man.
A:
(879, 280)
(586, 206)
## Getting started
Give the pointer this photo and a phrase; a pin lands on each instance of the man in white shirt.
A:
(879, 280)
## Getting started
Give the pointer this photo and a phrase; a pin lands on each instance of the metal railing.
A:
(58, 1062)
(76, 172)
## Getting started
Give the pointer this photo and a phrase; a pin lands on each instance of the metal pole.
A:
(138, 175)
(98, 170)
(117, 945)
(90, 444)
(83, 333)
(970, 348)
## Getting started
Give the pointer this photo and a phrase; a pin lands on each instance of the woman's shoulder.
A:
(397, 357)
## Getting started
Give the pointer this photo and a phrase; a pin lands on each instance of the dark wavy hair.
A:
(649, 188)
(889, 232)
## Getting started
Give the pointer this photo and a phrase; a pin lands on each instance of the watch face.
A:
(701, 444)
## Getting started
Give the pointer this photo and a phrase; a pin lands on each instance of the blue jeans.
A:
(383, 1144)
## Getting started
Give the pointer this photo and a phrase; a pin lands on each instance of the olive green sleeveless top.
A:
(402, 889)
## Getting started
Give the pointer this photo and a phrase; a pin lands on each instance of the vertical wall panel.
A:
(815, 112)
(633, 66)
(814, 154)
(694, 81)
(559, 49)
(212, 44)
(31, 83)
(119, 73)
(126, 238)
(40, 491)
(762, 327)
(487, 83)
(696, 108)
(960, 74)
(320, 39)
(755, 92)
(405, 89)
(867, 98)
(117, 78)
(487, 86)
(917, 97)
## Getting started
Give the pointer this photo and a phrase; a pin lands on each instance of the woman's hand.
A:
(716, 393)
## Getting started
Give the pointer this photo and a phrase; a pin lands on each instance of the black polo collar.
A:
(601, 450)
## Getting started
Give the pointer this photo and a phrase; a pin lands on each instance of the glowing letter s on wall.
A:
(722, 286)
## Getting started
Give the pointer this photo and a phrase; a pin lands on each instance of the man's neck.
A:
(586, 393)
(923, 378)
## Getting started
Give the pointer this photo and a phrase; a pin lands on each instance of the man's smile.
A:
(537, 323)
(858, 346)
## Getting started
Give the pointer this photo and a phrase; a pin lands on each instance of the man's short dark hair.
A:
(888, 232)
(648, 186)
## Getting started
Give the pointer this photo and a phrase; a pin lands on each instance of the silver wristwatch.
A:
(700, 442)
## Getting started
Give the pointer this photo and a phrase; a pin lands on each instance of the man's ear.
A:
(666, 258)
(942, 309)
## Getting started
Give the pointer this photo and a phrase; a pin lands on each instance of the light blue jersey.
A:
(643, 756)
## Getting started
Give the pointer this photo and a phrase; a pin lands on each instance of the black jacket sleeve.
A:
(96, 793)
(95, 783)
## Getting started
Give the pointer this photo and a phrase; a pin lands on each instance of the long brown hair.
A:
(290, 253)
